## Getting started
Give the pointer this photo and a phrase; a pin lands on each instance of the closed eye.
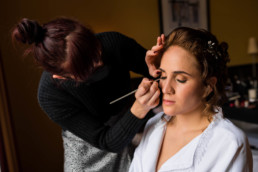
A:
(163, 77)
(182, 81)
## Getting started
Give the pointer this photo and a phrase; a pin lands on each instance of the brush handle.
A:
(128, 94)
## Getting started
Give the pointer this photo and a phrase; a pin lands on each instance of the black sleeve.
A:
(112, 138)
(91, 129)
(127, 51)
(134, 56)
(71, 115)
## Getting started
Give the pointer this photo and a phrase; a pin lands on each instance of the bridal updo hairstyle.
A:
(211, 56)
(62, 46)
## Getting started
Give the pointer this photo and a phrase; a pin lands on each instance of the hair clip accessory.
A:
(212, 50)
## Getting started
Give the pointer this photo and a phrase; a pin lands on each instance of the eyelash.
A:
(181, 81)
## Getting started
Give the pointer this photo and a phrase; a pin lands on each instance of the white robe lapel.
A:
(149, 159)
(183, 159)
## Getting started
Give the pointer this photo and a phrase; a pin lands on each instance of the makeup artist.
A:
(83, 73)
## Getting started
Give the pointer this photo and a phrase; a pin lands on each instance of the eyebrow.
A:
(162, 70)
(177, 72)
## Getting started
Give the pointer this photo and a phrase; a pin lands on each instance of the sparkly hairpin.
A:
(212, 49)
(211, 44)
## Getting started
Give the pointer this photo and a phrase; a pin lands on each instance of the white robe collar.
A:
(184, 159)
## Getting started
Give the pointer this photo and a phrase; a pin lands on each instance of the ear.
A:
(211, 83)
(58, 77)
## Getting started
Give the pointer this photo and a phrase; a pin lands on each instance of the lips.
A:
(168, 102)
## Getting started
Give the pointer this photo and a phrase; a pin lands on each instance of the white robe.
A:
(222, 147)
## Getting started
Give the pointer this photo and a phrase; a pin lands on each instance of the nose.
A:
(167, 86)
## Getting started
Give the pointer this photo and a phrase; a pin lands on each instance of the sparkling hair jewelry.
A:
(212, 49)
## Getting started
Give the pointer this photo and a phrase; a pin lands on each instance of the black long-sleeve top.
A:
(83, 108)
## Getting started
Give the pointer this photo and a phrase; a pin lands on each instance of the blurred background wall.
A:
(38, 140)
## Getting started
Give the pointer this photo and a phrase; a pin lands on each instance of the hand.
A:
(153, 56)
(147, 97)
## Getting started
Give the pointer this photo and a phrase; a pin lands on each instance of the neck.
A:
(195, 120)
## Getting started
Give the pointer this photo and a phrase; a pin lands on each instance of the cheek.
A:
(191, 92)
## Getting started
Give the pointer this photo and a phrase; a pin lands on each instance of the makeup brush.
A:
(128, 94)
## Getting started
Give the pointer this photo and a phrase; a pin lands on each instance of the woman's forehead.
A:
(178, 59)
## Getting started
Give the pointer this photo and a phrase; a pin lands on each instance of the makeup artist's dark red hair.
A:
(62, 46)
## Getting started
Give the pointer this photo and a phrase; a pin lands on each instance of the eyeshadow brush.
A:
(128, 94)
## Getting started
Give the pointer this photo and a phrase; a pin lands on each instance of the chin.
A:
(169, 111)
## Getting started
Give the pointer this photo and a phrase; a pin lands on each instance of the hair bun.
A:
(224, 46)
(29, 31)
(224, 51)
